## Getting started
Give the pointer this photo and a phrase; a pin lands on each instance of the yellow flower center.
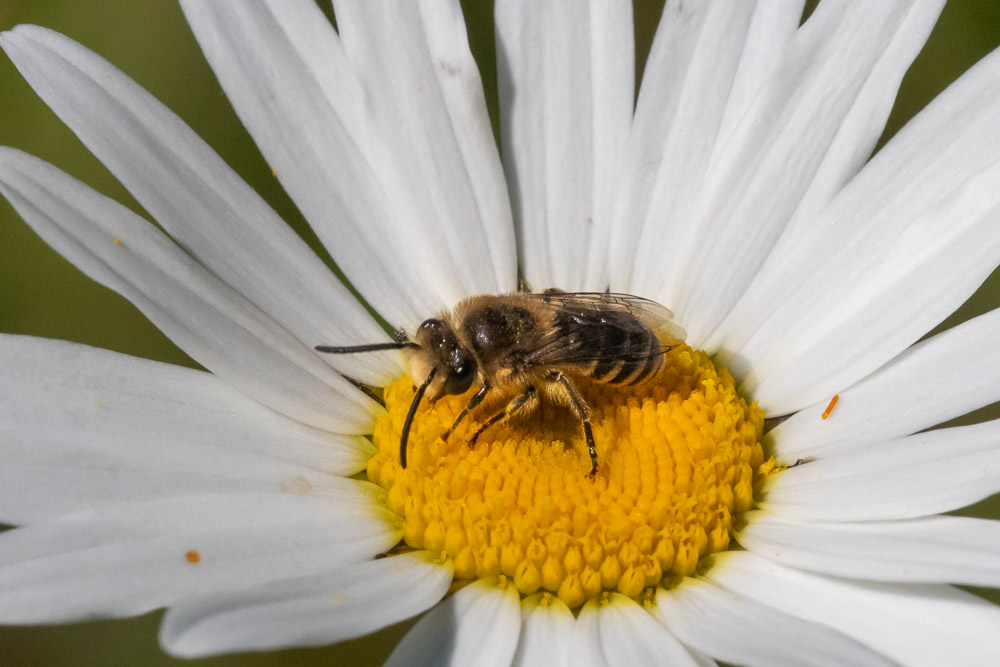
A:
(679, 456)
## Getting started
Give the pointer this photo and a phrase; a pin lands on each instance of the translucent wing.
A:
(600, 327)
(653, 315)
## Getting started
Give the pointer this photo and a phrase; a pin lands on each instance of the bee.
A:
(523, 345)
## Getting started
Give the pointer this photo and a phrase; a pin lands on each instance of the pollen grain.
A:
(831, 406)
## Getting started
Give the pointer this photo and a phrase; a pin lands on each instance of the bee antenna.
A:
(409, 416)
(374, 347)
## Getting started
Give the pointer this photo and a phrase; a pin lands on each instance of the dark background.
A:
(42, 294)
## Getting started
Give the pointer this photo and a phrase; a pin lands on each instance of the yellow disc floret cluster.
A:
(679, 456)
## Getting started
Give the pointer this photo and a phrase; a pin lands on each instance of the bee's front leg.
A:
(476, 399)
(521, 403)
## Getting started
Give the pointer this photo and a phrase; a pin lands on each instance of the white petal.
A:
(205, 317)
(707, 63)
(393, 211)
(922, 474)
(701, 659)
(935, 549)
(64, 384)
(197, 198)
(940, 378)
(849, 150)
(322, 609)
(129, 559)
(546, 628)
(772, 26)
(49, 472)
(431, 140)
(80, 426)
(865, 121)
(284, 71)
(476, 627)
(913, 624)
(620, 632)
(565, 74)
(741, 631)
(760, 171)
(864, 279)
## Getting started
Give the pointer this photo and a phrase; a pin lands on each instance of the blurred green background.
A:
(42, 294)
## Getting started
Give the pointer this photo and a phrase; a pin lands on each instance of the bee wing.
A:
(594, 315)
(653, 315)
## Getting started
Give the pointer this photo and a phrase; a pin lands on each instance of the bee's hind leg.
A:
(569, 394)
(521, 403)
(476, 399)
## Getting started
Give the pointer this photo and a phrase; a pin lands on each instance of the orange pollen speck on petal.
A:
(679, 457)
(831, 406)
(193, 556)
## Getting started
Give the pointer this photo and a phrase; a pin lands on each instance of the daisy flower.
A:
(775, 495)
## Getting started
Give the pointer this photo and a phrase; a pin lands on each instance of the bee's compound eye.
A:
(461, 372)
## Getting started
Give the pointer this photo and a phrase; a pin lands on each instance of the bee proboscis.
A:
(522, 344)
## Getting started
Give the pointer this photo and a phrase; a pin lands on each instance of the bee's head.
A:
(438, 347)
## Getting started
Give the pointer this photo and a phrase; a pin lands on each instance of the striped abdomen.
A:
(614, 347)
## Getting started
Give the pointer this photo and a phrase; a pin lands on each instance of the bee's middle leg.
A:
(521, 403)
(572, 396)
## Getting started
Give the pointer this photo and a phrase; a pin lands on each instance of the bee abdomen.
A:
(625, 349)
(641, 361)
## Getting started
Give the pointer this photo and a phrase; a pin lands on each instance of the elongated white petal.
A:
(284, 71)
(205, 317)
(60, 385)
(864, 123)
(196, 197)
(80, 426)
(565, 73)
(129, 559)
(913, 624)
(938, 379)
(922, 474)
(707, 63)
(546, 629)
(701, 659)
(874, 319)
(309, 611)
(935, 549)
(620, 632)
(761, 170)
(842, 287)
(53, 471)
(744, 632)
(432, 139)
(363, 140)
(477, 626)
(848, 151)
